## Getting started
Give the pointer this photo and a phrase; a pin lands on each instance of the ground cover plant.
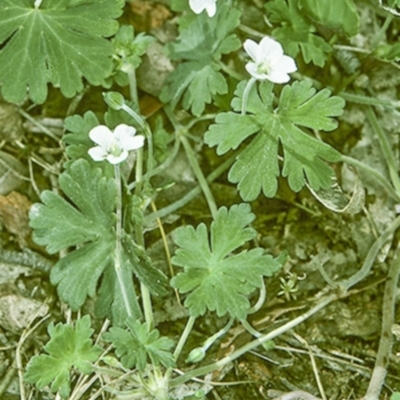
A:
(199, 199)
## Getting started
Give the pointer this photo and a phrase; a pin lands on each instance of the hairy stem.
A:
(200, 176)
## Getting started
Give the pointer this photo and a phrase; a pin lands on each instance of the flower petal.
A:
(125, 137)
(251, 48)
(278, 76)
(288, 64)
(211, 8)
(252, 70)
(133, 143)
(117, 159)
(197, 6)
(270, 49)
(124, 130)
(102, 136)
(98, 153)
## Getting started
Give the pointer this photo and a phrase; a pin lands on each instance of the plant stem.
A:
(146, 299)
(191, 195)
(39, 125)
(250, 329)
(135, 116)
(385, 343)
(118, 234)
(182, 340)
(148, 134)
(371, 101)
(162, 166)
(260, 301)
(211, 340)
(132, 85)
(246, 92)
(188, 328)
(199, 175)
(230, 71)
(387, 152)
(369, 260)
(381, 33)
(372, 172)
(253, 344)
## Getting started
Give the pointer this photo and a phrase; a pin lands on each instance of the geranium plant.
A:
(247, 98)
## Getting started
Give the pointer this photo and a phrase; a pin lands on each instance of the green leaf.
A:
(340, 15)
(68, 347)
(141, 265)
(296, 33)
(199, 81)
(257, 167)
(388, 52)
(90, 221)
(135, 346)
(216, 279)
(110, 303)
(77, 138)
(59, 43)
(87, 221)
(128, 48)
(201, 44)
(127, 54)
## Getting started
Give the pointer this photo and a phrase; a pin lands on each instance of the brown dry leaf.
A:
(148, 15)
(14, 209)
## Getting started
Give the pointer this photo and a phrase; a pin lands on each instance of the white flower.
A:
(114, 146)
(198, 6)
(269, 61)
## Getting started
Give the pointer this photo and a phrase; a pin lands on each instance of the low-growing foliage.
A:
(262, 82)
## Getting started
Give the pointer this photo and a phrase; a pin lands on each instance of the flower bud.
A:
(196, 355)
(114, 100)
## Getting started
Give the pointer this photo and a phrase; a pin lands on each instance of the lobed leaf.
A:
(297, 33)
(58, 224)
(68, 347)
(199, 45)
(216, 279)
(59, 43)
(77, 136)
(341, 15)
(135, 345)
(256, 168)
(87, 221)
